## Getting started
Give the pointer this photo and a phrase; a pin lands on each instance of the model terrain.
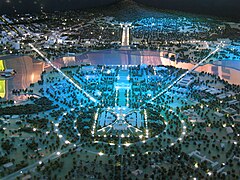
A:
(124, 92)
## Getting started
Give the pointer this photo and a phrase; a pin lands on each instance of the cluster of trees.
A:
(40, 123)
(6, 145)
(41, 104)
(3, 160)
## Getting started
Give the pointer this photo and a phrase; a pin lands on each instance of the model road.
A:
(187, 72)
(55, 155)
(34, 165)
(64, 75)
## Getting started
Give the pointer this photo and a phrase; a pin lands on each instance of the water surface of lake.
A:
(29, 70)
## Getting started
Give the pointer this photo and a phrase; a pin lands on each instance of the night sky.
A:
(25, 6)
(220, 8)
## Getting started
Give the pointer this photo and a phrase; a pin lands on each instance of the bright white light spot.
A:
(100, 153)
(127, 144)
(67, 142)
(196, 165)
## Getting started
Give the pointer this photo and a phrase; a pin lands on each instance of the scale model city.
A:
(141, 116)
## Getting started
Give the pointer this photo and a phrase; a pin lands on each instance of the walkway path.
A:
(122, 85)
(125, 35)
(64, 75)
(187, 72)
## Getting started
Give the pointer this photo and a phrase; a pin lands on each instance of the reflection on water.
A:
(227, 70)
(29, 70)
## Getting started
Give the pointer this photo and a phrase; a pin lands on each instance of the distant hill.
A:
(220, 8)
(129, 10)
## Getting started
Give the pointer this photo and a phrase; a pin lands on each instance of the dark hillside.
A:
(220, 8)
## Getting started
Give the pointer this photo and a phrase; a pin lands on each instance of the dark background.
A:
(220, 8)
(27, 6)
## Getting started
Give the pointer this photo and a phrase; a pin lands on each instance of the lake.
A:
(29, 70)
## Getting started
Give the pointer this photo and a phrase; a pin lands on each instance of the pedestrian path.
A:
(122, 85)
(125, 36)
